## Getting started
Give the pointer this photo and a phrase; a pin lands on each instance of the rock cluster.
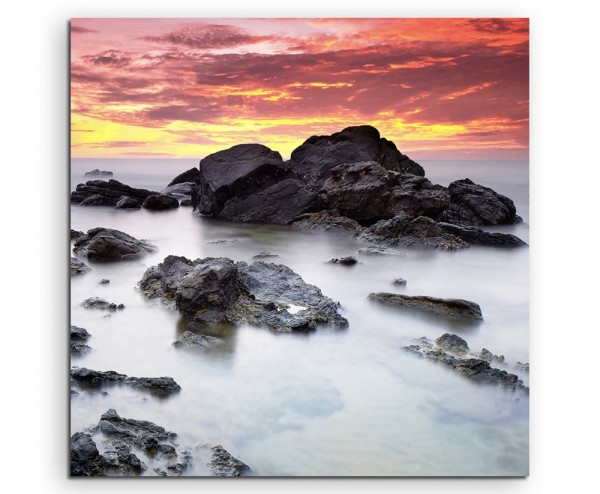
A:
(215, 291)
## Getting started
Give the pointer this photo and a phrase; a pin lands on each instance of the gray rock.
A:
(98, 303)
(452, 343)
(476, 236)
(222, 464)
(120, 461)
(98, 173)
(399, 282)
(85, 457)
(191, 175)
(522, 366)
(105, 244)
(160, 202)
(449, 307)
(198, 341)
(126, 202)
(380, 251)
(75, 234)
(104, 281)
(475, 369)
(106, 193)
(78, 267)
(160, 387)
(211, 292)
(327, 221)
(344, 261)
(264, 255)
(77, 343)
(181, 191)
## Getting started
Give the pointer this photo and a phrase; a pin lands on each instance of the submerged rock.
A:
(449, 307)
(98, 173)
(380, 251)
(399, 282)
(85, 457)
(223, 464)
(78, 267)
(327, 221)
(98, 303)
(264, 255)
(93, 379)
(452, 351)
(105, 244)
(79, 336)
(218, 291)
(344, 261)
(108, 193)
(198, 341)
(160, 202)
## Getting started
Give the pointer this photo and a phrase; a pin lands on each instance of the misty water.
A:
(333, 402)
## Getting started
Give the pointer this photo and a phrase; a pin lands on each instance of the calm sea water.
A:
(331, 403)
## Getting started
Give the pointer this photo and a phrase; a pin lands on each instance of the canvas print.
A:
(299, 247)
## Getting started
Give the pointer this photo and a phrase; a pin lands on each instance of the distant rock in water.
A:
(452, 351)
(198, 341)
(111, 193)
(105, 244)
(160, 202)
(211, 292)
(182, 192)
(344, 261)
(98, 303)
(264, 255)
(78, 267)
(98, 173)
(78, 338)
(449, 307)
(399, 282)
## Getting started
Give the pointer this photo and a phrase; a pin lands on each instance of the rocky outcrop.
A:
(211, 292)
(97, 303)
(78, 267)
(105, 244)
(160, 202)
(108, 193)
(78, 339)
(160, 387)
(222, 464)
(85, 457)
(98, 173)
(327, 221)
(453, 352)
(476, 205)
(448, 307)
(191, 175)
(198, 341)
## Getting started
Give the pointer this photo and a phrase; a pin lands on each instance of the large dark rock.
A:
(403, 231)
(160, 202)
(315, 158)
(449, 307)
(236, 172)
(85, 457)
(191, 175)
(476, 205)
(452, 351)
(78, 267)
(107, 193)
(93, 379)
(211, 292)
(105, 244)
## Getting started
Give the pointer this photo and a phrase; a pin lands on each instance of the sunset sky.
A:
(184, 88)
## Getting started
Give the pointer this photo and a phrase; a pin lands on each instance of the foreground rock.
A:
(97, 303)
(105, 244)
(78, 267)
(212, 292)
(86, 460)
(93, 379)
(109, 193)
(449, 307)
(222, 464)
(98, 173)
(78, 339)
(452, 351)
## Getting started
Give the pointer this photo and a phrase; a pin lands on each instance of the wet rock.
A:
(75, 234)
(105, 244)
(126, 202)
(181, 191)
(327, 221)
(93, 379)
(120, 461)
(85, 457)
(191, 175)
(160, 202)
(399, 282)
(379, 251)
(198, 341)
(452, 343)
(264, 255)
(98, 173)
(223, 464)
(344, 261)
(78, 267)
(476, 369)
(403, 231)
(476, 205)
(449, 307)
(107, 193)
(476, 236)
(212, 292)
(79, 336)
(104, 281)
(98, 303)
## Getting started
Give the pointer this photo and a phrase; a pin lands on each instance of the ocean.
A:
(346, 402)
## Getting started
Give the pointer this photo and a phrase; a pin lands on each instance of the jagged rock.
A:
(98, 173)
(476, 205)
(452, 343)
(344, 261)
(191, 175)
(399, 282)
(120, 461)
(85, 457)
(222, 464)
(198, 341)
(105, 244)
(93, 379)
(327, 221)
(160, 202)
(489, 356)
(476, 236)
(476, 369)
(420, 232)
(218, 291)
(103, 193)
(78, 338)
(126, 202)
(98, 303)
(78, 267)
(449, 307)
